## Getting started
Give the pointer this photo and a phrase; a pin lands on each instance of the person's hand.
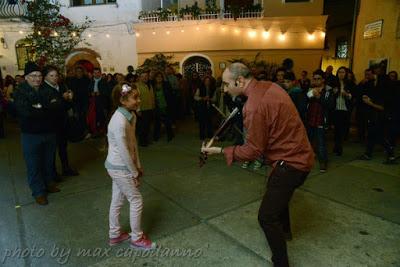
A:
(140, 171)
(366, 99)
(66, 96)
(211, 150)
(136, 181)
(316, 93)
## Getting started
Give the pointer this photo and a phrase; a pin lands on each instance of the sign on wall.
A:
(373, 29)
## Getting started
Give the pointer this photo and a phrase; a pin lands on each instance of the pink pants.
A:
(123, 187)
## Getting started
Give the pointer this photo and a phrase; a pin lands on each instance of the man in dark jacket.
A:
(36, 106)
(64, 97)
(80, 87)
(101, 94)
(321, 103)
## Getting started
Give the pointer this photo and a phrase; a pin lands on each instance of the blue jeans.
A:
(319, 133)
(39, 153)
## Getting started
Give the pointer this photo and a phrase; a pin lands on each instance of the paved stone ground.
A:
(349, 216)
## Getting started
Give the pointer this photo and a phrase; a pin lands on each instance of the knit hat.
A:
(30, 67)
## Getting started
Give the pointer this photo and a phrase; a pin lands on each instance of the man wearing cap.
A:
(36, 106)
(275, 132)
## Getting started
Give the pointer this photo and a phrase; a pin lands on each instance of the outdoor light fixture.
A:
(282, 37)
(265, 34)
(252, 34)
(311, 37)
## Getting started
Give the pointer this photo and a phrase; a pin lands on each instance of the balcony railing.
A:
(13, 9)
(149, 18)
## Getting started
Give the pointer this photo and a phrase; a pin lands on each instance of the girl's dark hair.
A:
(346, 71)
(116, 94)
(49, 68)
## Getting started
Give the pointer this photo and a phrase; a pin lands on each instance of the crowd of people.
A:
(326, 101)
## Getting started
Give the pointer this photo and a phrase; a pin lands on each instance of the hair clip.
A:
(125, 89)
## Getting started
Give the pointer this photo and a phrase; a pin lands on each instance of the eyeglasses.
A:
(38, 76)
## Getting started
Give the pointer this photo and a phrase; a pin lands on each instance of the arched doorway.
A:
(84, 57)
(196, 63)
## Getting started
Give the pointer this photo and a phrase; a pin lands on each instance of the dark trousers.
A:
(319, 134)
(392, 132)
(2, 115)
(361, 122)
(273, 214)
(375, 135)
(62, 143)
(145, 120)
(39, 151)
(205, 124)
(340, 121)
(162, 117)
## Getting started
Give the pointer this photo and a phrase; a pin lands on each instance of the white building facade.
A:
(111, 35)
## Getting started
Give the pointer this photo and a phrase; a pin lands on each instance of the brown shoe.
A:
(53, 189)
(41, 200)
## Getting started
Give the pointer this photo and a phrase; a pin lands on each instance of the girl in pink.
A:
(123, 165)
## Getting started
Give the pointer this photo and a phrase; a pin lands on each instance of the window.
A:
(342, 48)
(296, 1)
(91, 2)
(155, 4)
(24, 53)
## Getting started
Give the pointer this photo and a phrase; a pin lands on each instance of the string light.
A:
(89, 35)
(182, 30)
(21, 32)
(55, 33)
(265, 34)
(311, 37)
(39, 33)
(252, 34)
(74, 34)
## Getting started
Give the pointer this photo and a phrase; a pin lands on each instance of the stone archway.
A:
(83, 57)
(196, 63)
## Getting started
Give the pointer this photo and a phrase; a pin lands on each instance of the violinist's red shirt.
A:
(274, 129)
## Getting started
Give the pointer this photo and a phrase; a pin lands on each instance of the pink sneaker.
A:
(143, 243)
(117, 240)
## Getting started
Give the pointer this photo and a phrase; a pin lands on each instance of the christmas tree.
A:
(54, 36)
